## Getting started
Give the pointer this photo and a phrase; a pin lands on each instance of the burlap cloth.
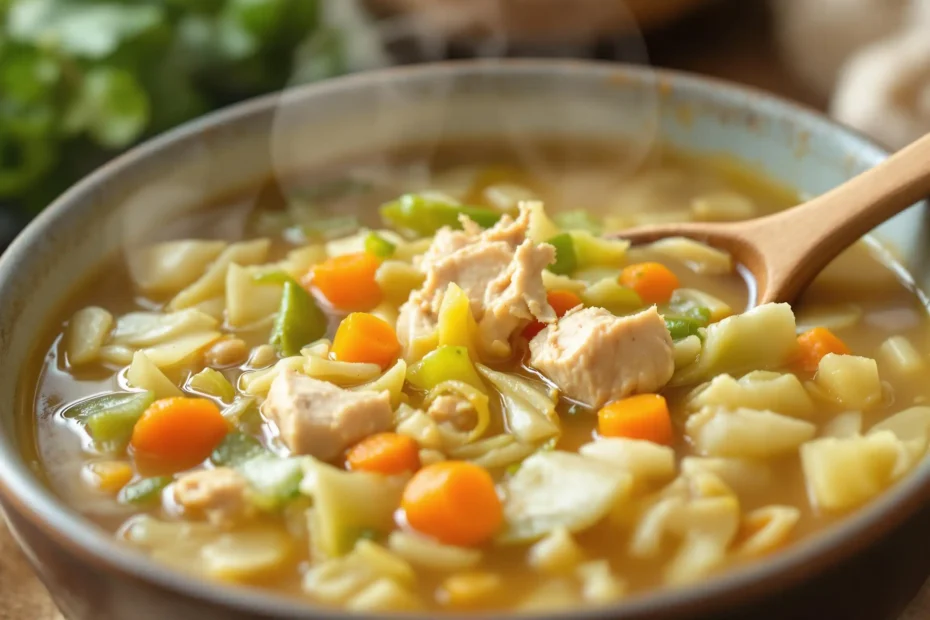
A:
(730, 41)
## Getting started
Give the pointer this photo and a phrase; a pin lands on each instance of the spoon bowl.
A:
(785, 251)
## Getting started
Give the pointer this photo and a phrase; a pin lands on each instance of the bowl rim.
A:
(23, 492)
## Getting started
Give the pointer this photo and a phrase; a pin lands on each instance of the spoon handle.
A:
(800, 242)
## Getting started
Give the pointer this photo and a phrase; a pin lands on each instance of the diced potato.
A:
(344, 503)
(765, 529)
(647, 462)
(557, 553)
(761, 338)
(912, 428)
(247, 300)
(470, 588)
(247, 554)
(183, 349)
(169, 267)
(746, 433)
(781, 393)
(213, 282)
(427, 553)
(145, 375)
(384, 562)
(698, 257)
(397, 279)
(553, 489)
(843, 473)
(851, 381)
(87, 330)
(898, 355)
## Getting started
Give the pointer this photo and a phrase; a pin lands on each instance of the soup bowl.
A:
(869, 565)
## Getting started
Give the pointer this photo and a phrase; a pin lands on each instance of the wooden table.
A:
(731, 42)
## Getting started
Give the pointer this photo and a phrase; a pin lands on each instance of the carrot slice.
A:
(178, 432)
(455, 502)
(363, 337)
(644, 416)
(653, 282)
(561, 301)
(385, 453)
(348, 281)
(814, 344)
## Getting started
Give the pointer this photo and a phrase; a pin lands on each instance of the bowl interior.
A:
(134, 200)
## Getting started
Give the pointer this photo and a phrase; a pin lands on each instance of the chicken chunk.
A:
(595, 357)
(454, 410)
(219, 494)
(321, 419)
(500, 271)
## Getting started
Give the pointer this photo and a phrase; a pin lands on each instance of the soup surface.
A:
(465, 397)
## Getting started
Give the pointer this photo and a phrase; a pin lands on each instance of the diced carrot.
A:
(363, 337)
(814, 344)
(653, 282)
(348, 281)
(385, 453)
(561, 301)
(109, 476)
(178, 432)
(454, 502)
(644, 416)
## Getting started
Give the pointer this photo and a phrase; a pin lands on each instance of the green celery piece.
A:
(377, 245)
(272, 480)
(424, 215)
(237, 448)
(565, 260)
(143, 492)
(447, 363)
(299, 322)
(272, 277)
(578, 219)
(681, 327)
(212, 382)
(689, 309)
(109, 419)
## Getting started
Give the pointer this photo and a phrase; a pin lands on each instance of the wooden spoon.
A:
(786, 250)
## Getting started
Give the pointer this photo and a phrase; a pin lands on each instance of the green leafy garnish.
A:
(565, 261)
(377, 245)
(143, 492)
(424, 215)
(299, 322)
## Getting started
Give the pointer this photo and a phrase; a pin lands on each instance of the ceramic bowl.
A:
(868, 566)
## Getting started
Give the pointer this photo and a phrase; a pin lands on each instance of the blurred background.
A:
(82, 80)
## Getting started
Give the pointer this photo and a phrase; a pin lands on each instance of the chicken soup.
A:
(456, 391)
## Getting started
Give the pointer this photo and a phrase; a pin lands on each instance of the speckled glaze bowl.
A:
(868, 567)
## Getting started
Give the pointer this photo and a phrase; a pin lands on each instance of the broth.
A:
(858, 297)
